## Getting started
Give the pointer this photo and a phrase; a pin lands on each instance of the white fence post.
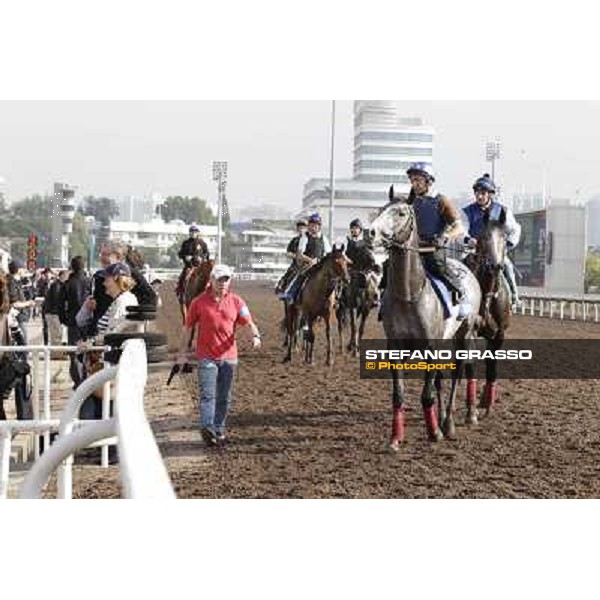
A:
(5, 445)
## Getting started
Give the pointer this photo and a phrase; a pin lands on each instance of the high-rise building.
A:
(385, 144)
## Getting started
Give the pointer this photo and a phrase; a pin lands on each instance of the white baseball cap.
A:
(221, 271)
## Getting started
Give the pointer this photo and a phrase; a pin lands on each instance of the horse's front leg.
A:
(339, 318)
(327, 319)
(448, 425)
(429, 412)
(490, 391)
(350, 346)
(290, 324)
(361, 329)
(397, 436)
(309, 335)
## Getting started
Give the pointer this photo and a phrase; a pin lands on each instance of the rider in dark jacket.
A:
(438, 221)
(312, 247)
(192, 252)
(292, 251)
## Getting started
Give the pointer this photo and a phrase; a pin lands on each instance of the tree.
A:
(30, 215)
(173, 260)
(188, 210)
(103, 209)
(592, 270)
(79, 241)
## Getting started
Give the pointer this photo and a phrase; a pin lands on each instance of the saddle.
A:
(461, 310)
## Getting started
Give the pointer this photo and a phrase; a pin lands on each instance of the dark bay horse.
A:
(413, 315)
(317, 301)
(355, 302)
(195, 283)
(487, 263)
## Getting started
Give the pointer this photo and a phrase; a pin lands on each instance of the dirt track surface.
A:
(319, 432)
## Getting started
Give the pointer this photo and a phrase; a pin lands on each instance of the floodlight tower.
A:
(220, 176)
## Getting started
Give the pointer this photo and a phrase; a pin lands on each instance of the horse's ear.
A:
(342, 247)
(391, 193)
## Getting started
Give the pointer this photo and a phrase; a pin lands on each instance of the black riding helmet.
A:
(356, 223)
(485, 183)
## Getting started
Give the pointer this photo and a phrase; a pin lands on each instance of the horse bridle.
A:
(403, 246)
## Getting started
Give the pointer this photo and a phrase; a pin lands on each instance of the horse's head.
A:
(394, 224)
(491, 245)
(339, 262)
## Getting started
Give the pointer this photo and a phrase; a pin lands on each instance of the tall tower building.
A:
(385, 144)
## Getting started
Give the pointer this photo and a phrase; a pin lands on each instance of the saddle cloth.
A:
(445, 295)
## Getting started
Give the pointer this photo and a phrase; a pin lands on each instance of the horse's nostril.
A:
(372, 232)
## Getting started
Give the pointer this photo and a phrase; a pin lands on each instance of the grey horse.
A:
(413, 315)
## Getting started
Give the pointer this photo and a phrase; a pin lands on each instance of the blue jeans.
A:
(215, 378)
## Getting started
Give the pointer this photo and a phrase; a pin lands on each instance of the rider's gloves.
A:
(470, 243)
(441, 241)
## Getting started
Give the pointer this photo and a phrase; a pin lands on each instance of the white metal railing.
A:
(143, 473)
(40, 397)
(560, 307)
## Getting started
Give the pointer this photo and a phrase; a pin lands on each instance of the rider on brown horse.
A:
(192, 252)
(292, 252)
(312, 247)
(486, 209)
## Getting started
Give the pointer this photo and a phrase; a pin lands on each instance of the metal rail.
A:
(143, 473)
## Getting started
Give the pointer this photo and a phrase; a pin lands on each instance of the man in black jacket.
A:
(74, 293)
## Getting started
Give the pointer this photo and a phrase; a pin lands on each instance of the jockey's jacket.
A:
(292, 247)
(360, 251)
(314, 246)
(194, 247)
(495, 212)
(434, 214)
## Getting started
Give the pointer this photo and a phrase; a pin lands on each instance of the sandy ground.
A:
(319, 432)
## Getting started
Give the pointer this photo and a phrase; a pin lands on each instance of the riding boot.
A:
(431, 423)
(397, 426)
(471, 393)
(490, 392)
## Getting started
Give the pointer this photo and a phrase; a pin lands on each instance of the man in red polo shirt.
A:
(216, 313)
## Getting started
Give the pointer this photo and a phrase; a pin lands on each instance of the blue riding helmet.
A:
(421, 168)
(356, 223)
(315, 218)
(194, 229)
(486, 184)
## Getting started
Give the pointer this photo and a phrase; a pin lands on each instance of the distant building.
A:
(261, 249)
(140, 209)
(156, 234)
(552, 251)
(385, 145)
(593, 222)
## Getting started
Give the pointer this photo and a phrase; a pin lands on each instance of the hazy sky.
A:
(133, 148)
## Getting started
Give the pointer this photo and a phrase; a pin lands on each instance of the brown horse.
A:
(195, 283)
(317, 300)
(487, 263)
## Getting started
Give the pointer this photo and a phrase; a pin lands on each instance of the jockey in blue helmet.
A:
(438, 221)
(485, 209)
(312, 247)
